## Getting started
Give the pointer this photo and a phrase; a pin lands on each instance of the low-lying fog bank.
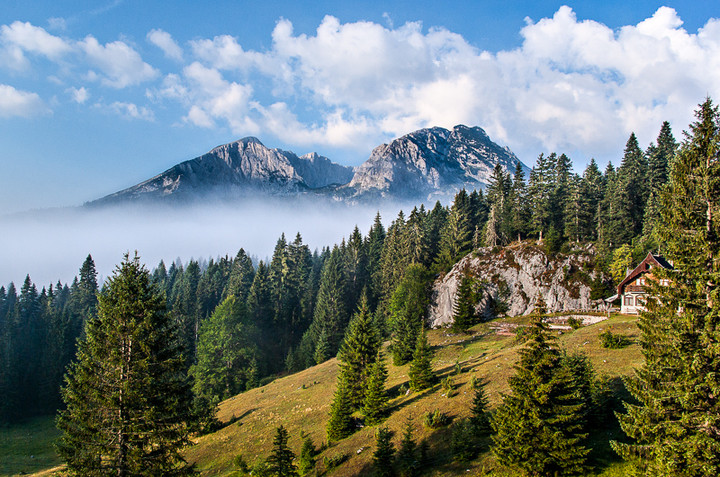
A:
(52, 244)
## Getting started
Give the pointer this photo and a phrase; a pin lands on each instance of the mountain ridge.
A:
(430, 163)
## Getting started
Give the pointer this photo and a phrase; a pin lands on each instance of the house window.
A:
(628, 300)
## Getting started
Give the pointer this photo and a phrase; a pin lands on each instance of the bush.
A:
(574, 323)
(521, 334)
(435, 419)
(610, 340)
(334, 461)
(448, 385)
(240, 463)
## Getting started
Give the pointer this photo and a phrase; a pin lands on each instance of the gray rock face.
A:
(430, 163)
(318, 171)
(514, 277)
(239, 167)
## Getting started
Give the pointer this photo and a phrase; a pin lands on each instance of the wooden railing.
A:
(635, 288)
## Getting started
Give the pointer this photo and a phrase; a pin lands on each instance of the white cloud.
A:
(209, 97)
(79, 95)
(14, 102)
(165, 42)
(132, 111)
(121, 65)
(19, 38)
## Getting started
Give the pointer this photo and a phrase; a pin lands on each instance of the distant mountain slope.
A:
(426, 164)
(429, 163)
(239, 167)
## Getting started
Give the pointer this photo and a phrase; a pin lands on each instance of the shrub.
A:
(435, 419)
(240, 463)
(334, 461)
(574, 323)
(448, 385)
(608, 339)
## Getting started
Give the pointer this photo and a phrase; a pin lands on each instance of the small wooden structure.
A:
(632, 291)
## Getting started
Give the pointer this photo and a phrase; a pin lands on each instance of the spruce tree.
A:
(407, 458)
(376, 399)
(407, 309)
(358, 352)
(341, 423)
(280, 462)
(225, 352)
(464, 315)
(384, 452)
(306, 461)
(538, 426)
(674, 424)
(420, 372)
(479, 415)
(127, 397)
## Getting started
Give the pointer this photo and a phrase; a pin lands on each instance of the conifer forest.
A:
(135, 367)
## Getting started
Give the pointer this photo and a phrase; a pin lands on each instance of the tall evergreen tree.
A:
(376, 399)
(241, 277)
(464, 315)
(420, 373)
(341, 423)
(675, 423)
(384, 452)
(225, 353)
(407, 310)
(280, 462)
(538, 427)
(358, 353)
(127, 396)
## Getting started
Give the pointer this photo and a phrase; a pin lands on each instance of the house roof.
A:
(644, 266)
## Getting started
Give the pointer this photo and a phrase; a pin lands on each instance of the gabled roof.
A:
(644, 266)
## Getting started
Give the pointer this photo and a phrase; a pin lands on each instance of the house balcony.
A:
(634, 289)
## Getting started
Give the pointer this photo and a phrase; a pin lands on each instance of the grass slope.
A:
(28, 447)
(301, 402)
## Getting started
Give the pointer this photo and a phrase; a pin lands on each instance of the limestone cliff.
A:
(512, 278)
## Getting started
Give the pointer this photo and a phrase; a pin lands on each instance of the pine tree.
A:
(407, 458)
(307, 457)
(538, 427)
(407, 311)
(384, 452)
(358, 353)
(242, 274)
(479, 415)
(341, 423)
(331, 311)
(280, 462)
(674, 426)
(464, 315)
(225, 352)
(420, 372)
(520, 211)
(376, 398)
(127, 398)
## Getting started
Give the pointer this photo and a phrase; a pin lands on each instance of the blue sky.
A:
(97, 98)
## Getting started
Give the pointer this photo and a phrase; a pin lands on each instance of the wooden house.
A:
(632, 291)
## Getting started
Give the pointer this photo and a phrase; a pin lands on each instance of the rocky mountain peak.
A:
(431, 163)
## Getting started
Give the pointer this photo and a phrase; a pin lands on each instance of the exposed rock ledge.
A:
(514, 277)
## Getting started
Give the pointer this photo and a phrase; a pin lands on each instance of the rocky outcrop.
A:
(432, 163)
(511, 279)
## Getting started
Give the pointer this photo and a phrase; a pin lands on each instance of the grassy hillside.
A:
(301, 403)
(28, 447)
